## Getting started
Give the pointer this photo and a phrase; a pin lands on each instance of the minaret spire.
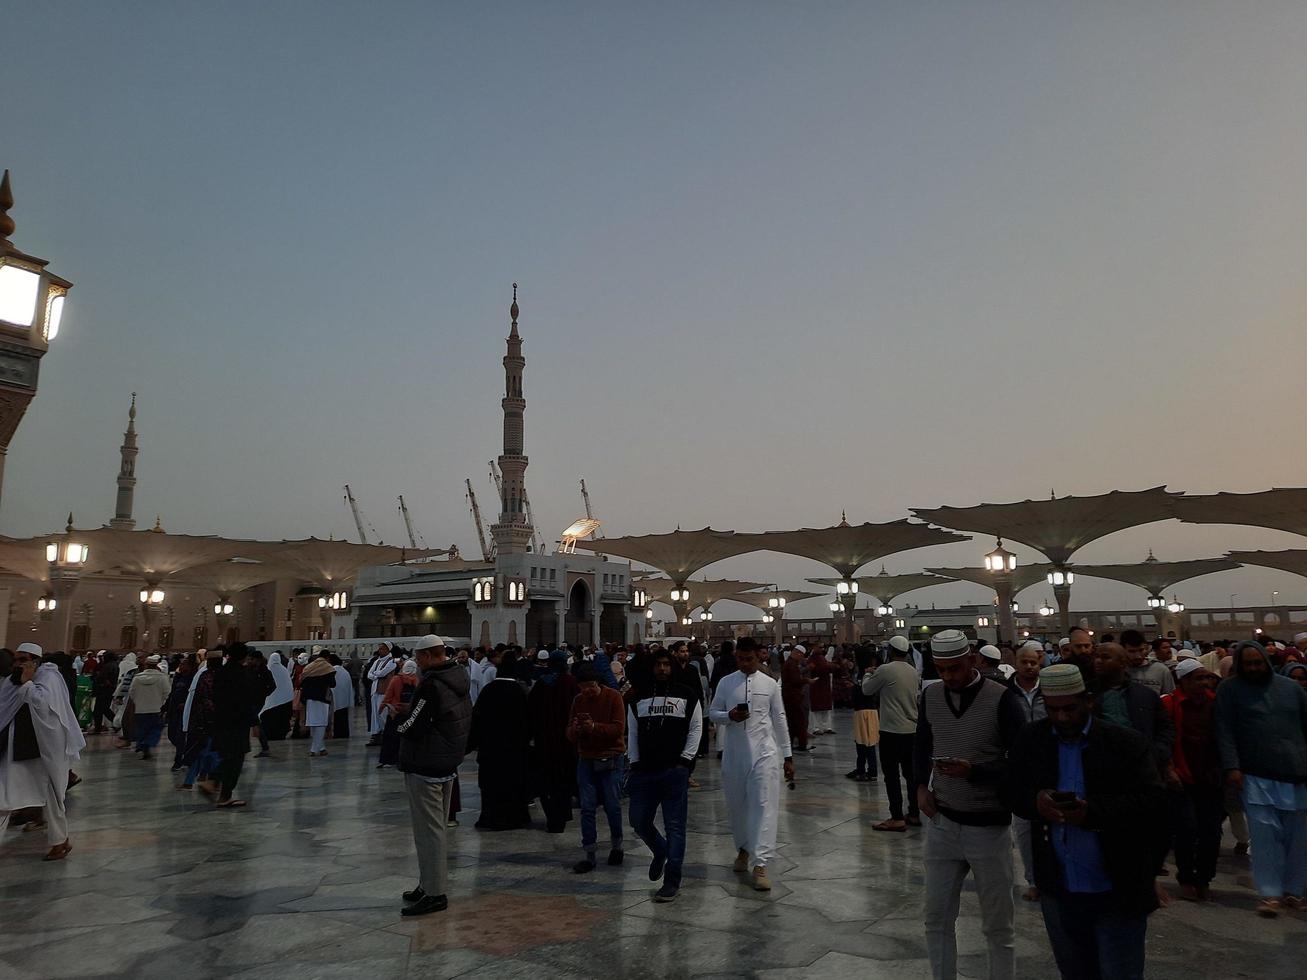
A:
(122, 517)
(513, 532)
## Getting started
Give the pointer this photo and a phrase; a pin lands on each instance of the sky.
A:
(775, 261)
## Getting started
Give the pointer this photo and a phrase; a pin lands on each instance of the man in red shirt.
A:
(1193, 779)
(598, 727)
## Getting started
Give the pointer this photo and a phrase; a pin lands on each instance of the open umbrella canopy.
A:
(1292, 560)
(847, 547)
(1060, 526)
(1283, 509)
(1154, 576)
(678, 554)
(328, 563)
(887, 588)
(229, 578)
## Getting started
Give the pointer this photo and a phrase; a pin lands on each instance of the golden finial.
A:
(158, 524)
(131, 414)
(512, 310)
(844, 518)
(6, 202)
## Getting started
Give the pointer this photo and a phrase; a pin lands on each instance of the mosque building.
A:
(523, 595)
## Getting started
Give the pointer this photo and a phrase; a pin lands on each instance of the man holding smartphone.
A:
(964, 729)
(1087, 786)
(748, 710)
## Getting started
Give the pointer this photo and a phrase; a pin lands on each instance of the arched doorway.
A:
(578, 629)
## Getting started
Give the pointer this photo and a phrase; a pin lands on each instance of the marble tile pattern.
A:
(305, 883)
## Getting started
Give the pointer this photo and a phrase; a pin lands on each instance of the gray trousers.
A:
(428, 803)
(951, 851)
(1021, 830)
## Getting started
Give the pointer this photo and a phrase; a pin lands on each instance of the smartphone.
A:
(1063, 800)
(743, 706)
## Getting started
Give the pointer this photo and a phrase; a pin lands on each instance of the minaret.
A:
(512, 533)
(122, 517)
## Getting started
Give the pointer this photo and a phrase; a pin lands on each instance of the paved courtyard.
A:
(306, 882)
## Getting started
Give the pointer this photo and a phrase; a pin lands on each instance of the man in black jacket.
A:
(663, 724)
(1087, 786)
(433, 739)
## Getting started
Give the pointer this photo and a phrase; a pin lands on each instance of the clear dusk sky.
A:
(775, 260)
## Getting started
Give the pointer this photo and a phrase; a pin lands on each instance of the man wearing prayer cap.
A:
(41, 737)
(1194, 778)
(964, 730)
(1088, 786)
(1300, 642)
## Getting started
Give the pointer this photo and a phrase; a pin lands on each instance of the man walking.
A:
(148, 693)
(432, 741)
(896, 684)
(41, 738)
(663, 726)
(1194, 780)
(794, 694)
(598, 727)
(1028, 701)
(1087, 786)
(1261, 725)
(1143, 668)
(749, 712)
(963, 734)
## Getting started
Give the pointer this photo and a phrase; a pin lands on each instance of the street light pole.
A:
(31, 308)
(1001, 563)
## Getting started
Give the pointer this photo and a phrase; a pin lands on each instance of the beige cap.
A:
(1061, 679)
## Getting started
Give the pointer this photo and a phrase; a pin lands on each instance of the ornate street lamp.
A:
(1156, 602)
(65, 558)
(1001, 563)
(1046, 610)
(31, 309)
(1061, 579)
(1176, 606)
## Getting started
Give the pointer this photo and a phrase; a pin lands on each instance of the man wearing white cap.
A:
(964, 730)
(378, 677)
(432, 741)
(1088, 786)
(1194, 779)
(750, 716)
(896, 683)
(1300, 643)
(41, 738)
(147, 694)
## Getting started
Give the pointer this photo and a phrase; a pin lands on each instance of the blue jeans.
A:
(206, 761)
(148, 729)
(590, 786)
(670, 789)
(1093, 941)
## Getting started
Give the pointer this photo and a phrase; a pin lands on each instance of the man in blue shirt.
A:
(1087, 786)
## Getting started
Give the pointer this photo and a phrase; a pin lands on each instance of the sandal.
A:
(58, 852)
(231, 804)
(893, 826)
(1269, 908)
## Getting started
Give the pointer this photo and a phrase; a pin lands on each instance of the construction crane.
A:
(408, 525)
(487, 550)
(585, 495)
(358, 516)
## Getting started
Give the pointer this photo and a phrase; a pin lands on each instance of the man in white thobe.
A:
(39, 744)
(750, 716)
(342, 699)
(379, 674)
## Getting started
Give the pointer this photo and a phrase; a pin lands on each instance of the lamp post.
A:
(680, 598)
(776, 616)
(846, 598)
(222, 610)
(329, 605)
(885, 612)
(1061, 579)
(65, 559)
(31, 308)
(152, 597)
(1001, 563)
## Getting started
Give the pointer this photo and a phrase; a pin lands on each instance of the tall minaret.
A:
(512, 533)
(122, 517)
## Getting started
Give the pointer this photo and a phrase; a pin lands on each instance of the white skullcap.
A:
(1186, 655)
(302, 659)
(1188, 666)
(949, 645)
(33, 648)
(152, 658)
(1033, 645)
(428, 642)
(317, 650)
(542, 655)
(1064, 642)
(900, 643)
(410, 667)
(991, 652)
(1299, 637)
(800, 647)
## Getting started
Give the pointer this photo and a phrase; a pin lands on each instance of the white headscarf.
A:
(58, 734)
(410, 667)
(285, 690)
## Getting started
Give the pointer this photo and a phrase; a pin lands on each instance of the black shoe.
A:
(666, 894)
(263, 755)
(853, 775)
(145, 754)
(583, 867)
(803, 749)
(416, 895)
(426, 905)
(656, 867)
(615, 856)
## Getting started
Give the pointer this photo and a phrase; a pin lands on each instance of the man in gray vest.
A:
(963, 734)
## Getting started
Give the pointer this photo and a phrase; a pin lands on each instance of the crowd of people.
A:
(1083, 765)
